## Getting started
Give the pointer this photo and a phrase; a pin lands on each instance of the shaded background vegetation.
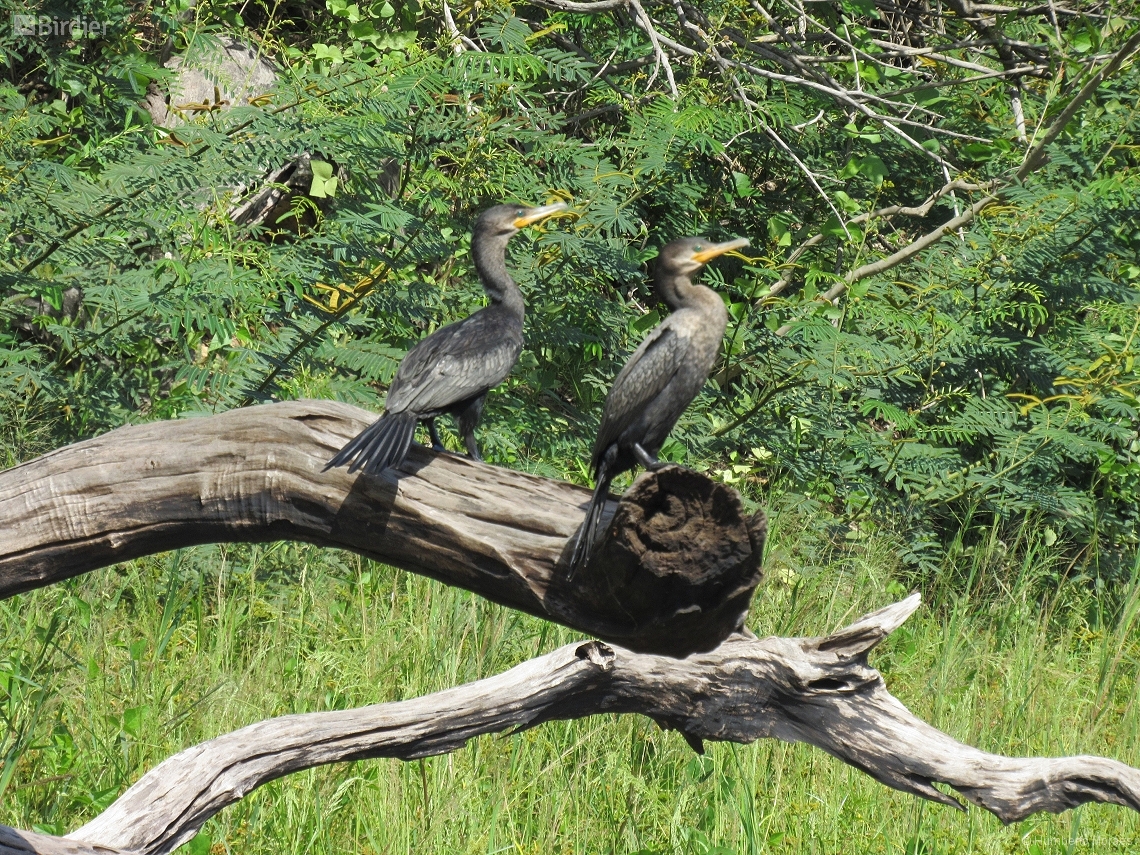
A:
(964, 418)
(990, 378)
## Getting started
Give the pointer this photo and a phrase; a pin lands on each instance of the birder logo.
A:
(45, 25)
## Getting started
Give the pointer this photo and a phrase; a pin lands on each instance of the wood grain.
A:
(255, 474)
(816, 690)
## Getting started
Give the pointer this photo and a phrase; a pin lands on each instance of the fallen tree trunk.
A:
(680, 561)
(815, 690)
(675, 575)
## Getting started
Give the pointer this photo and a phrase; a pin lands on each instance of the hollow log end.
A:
(675, 571)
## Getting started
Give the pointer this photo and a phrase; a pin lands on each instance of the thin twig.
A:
(1036, 157)
(808, 123)
(459, 42)
(775, 137)
(643, 21)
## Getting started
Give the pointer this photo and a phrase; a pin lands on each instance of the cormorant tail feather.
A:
(588, 533)
(382, 445)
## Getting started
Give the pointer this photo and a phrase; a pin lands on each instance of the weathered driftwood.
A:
(674, 576)
(815, 690)
(271, 203)
(679, 562)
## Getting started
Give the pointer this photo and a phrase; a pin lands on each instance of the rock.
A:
(214, 73)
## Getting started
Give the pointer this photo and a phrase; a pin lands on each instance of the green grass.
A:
(104, 676)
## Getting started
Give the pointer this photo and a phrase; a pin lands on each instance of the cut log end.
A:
(675, 570)
(673, 575)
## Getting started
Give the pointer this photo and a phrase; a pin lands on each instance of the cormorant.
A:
(452, 369)
(664, 374)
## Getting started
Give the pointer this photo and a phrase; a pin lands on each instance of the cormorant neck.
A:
(678, 290)
(489, 253)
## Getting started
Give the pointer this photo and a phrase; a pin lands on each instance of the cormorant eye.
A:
(519, 212)
(698, 247)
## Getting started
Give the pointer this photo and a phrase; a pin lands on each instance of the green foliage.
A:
(991, 378)
(970, 415)
(967, 419)
(106, 675)
(95, 73)
(995, 381)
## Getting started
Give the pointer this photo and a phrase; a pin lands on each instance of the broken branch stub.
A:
(675, 569)
(255, 475)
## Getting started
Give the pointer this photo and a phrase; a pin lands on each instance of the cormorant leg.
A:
(472, 447)
(433, 432)
(646, 459)
(468, 418)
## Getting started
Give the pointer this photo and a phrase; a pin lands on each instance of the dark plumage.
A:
(452, 369)
(661, 378)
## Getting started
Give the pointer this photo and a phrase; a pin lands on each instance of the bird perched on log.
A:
(664, 374)
(452, 369)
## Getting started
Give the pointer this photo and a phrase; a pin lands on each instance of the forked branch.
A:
(815, 690)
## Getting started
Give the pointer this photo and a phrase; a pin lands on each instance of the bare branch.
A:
(912, 249)
(905, 254)
(931, 54)
(582, 8)
(815, 690)
(641, 17)
(459, 42)
(775, 137)
(1036, 157)
(804, 125)
(1019, 71)
(789, 266)
(845, 97)
(1018, 110)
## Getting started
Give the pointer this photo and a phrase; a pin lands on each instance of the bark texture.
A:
(685, 556)
(673, 574)
(816, 690)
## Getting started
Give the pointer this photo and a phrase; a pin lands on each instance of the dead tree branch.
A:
(675, 575)
(820, 691)
(1035, 158)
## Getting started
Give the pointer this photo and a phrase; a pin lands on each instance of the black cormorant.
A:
(452, 369)
(664, 374)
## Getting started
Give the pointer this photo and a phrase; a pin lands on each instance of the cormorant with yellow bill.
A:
(452, 369)
(661, 378)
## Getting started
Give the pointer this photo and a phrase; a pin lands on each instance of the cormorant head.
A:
(688, 255)
(502, 221)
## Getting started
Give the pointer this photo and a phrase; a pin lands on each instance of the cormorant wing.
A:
(643, 378)
(454, 363)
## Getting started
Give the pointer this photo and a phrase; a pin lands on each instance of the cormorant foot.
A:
(436, 442)
(646, 459)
